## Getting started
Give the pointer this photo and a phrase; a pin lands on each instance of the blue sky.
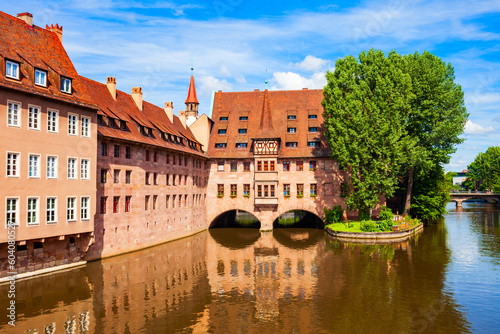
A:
(232, 42)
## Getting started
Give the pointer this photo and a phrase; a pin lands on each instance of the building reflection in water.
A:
(242, 281)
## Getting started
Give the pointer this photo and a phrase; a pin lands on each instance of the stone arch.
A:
(306, 205)
(318, 221)
(214, 220)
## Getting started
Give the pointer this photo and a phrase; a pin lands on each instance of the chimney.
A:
(182, 118)
(55, 29)
(111, 83)
(26, 17)
(169, 110)
(137, 96)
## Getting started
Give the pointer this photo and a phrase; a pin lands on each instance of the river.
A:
(444, 280)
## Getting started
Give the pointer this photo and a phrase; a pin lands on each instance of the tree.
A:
(436, 119)
(431, 193)
(366, 103)
(486, 169)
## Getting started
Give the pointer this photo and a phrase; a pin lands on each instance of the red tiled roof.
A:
(35, 47)
(267, 118)
(124, 108)
(192, 92)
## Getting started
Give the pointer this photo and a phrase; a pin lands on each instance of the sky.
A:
(235, 45)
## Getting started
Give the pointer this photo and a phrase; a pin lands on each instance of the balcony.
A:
(266, 201)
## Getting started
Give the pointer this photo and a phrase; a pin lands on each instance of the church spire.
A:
(192, 101)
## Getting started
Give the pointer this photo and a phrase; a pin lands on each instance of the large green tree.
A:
(366, 103)
(436, 119)
(486, 169)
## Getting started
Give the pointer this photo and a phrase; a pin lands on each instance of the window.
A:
(84, 169)
(52, 121)
(286, 190)
(127, 203)
(266, 166)
(52, 167)
(155, 179)
(259, 191)
(180, 201)
(84, 208)
(291, 117)
(100, 120)
(223, 118)
(32, 217)
(220, 145)
(243, 118)
(127, 152)
(221, 131)
(155, 198)
(313, 116)
(147, 155)
(241, 145)
(291, 144)
(155, 156)
(314, 190)
(13, 114)
(104, 175)
(65, 85)
(34, 165)
(85, 127)
(12, 164)
(300, 190)
(313, 143)
(70, 209)
(104, 149)
(220, 166)
(312, 165)
(173, 159)
(147, 178)
(173, 180)
(313, 129)
(220, 190)
(271, 190)
(286, 166)
(242, 131)
(233, 190)
(116, 176)
(40, 78)
(72, 125)
(167, 179)
(12, 69)
(291, 130)
(146, 202)
(167, 158)
(246, 166)
(103, 205)
(271, 166)
(116, 204)
(71, 168)
(234, 166)
(51, 215)
(246, 190)
(116, 151)
(127, 176)
(167, 201)
(266, 190)
(300, 165)
(34, 118)
(12, 217)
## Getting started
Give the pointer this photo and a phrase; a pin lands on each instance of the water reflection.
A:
(242, 281)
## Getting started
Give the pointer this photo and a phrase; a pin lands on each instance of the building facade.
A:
(48, 142)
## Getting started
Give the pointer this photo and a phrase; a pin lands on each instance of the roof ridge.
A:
(266, 129)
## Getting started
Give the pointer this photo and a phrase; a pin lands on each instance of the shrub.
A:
(369, 227)
(363, 215)
(334, 215)
(386, 214)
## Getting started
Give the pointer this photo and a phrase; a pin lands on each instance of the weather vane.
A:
(192, 67)
(266, 78)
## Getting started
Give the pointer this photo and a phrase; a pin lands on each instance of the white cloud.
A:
(207, 84)
(291, 80)
(476, 129)
(312, 63)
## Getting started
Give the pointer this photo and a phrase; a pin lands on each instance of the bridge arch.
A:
(229, 218)
(298, 219)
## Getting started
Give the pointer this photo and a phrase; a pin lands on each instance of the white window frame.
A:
(34, 117)
(17, 164)
(49, 122)
(72, 124)
(54, 210)
(84, 172)
(43, 75)
(35, 167)
(66, 85)
(56, 167)
(16, 212)
(72, 209)
(9, 63)
(84, 210)
(85, 126)
(10, 114)
(72, 176)
(35, 211)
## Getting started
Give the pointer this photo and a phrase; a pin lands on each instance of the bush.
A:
(334, 215)
(369, 227)
(363, 215)
(386, 214)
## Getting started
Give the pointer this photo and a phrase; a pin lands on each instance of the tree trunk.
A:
(409, 188)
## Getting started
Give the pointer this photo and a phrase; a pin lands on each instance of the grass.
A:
(355, 226)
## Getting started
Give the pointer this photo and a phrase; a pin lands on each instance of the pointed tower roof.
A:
(266, 129)
(192, 93)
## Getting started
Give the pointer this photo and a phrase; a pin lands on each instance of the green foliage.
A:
(369, 227)
(334, 215)
(364, 216)
(430, 194)
(386, 214)
(485, 169)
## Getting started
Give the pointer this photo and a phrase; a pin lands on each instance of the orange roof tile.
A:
(192, 92)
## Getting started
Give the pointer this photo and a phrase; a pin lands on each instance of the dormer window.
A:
(65, 85)
(222, 131)
(243, 118)
(223, 118)
(291, 117)
(40, 78)
(12, 69)
(100, 120)
(313, 116)
(123, 125)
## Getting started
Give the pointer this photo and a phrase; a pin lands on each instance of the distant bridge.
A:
(459, 197)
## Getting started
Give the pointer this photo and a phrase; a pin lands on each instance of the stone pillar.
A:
(266, 226)
(458, 203)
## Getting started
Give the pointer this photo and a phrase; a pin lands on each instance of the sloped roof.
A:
(267, 113)
(192, 92)
(37, 47)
